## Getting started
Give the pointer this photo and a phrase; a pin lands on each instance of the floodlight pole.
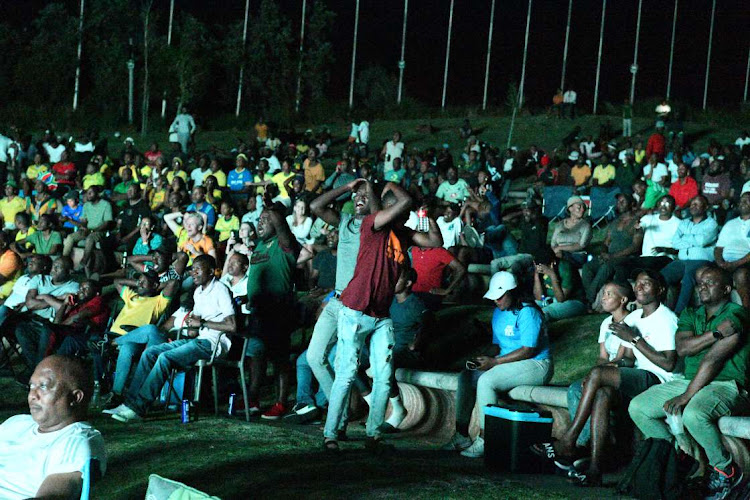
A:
(708, 56)
(78, 65)
(565, 49)
(354, 55)
(671, 49)
(402, 62)
(447, 55)
(169, 43)
(299, 64)
(525, 52)
(634, 66)
(599, 58)
(242, 66)
(489, 53)
(747, 76)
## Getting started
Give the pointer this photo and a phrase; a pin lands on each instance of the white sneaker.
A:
(476, 450)
(126, 415)
(458, 442)
(114, 410)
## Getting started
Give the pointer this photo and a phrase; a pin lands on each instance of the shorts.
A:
(634, 381)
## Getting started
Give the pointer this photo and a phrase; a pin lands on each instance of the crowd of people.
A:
(261, 241)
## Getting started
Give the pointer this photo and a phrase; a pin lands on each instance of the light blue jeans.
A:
(130, 344)
(155, 365)
(575, 392)
(354, 328)
(562, 310)
(323, 341)
(305, 393)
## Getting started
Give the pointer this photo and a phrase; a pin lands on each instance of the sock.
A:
(399, 412)
(367, 399)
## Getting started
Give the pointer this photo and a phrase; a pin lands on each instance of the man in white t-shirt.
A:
(569, 103)
(184, 126)
(43, 455)
(54, 150)
(450, 226)
(654, 169)
(732, 252)
(5, 143)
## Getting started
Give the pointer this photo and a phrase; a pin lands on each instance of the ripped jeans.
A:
(354, 329)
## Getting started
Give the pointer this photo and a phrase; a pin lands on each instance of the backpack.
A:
(657, 472)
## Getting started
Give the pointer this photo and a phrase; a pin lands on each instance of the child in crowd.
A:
(71, 211)
(227, 223)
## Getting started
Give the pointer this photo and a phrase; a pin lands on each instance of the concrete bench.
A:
(430, 397)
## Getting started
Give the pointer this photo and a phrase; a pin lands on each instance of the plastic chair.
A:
(89, 473)
(237, 364)
(201, 365)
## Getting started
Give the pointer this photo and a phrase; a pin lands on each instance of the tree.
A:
(376, 88)
(146, 15)
(318, 55)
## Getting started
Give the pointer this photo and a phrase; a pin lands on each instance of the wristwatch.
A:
(717, 334)
(635, 340)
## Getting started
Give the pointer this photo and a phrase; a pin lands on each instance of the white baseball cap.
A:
(501, 282)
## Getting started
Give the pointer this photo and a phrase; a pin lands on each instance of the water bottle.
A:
(124, 260)
(230, 407)
(674, 421)
(423, 223)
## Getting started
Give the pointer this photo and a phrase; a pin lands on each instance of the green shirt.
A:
(569, 280)
(96, 213)
(695, 321)
(270, 275)
(43, 246)
(122, 188)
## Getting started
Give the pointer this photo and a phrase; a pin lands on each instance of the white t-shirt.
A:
(364, 132)
(274, 165)
(21, 287)
(354, 131)
(213, 302)
(734, 238)
(197, 176)
(302, 231)
(611, 341)
(54, 153)
(745, 188)
(660, 170)
(741, 142)
(658, 330)
(238, 290)
(570, 96)
(672, 169)
(27, 456)
(451, 231)
(392, 151)
(657, 233)
(81, 147)
(4, 144)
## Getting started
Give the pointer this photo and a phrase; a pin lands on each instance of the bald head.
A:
(59, 392)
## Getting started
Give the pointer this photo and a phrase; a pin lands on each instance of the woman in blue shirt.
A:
(518, 329)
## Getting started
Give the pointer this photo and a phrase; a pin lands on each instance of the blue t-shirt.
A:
(512, 330)
(236, 180)
(206, 209)
(73, 213)
(407, 320)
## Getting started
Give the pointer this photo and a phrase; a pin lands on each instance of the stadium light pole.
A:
(169, 43)
(299, 64)
(708, 56)
(634, 66)
(402, 62)
(565, 48)
(78, 65)
(671, 49)
(489, 53)
(447, 55)
(354, 55)
(747, 76)
(131, 81)
(242, 66)
(599, 57)
(525, 52)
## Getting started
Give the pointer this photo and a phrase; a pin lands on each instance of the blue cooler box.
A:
(509, 431)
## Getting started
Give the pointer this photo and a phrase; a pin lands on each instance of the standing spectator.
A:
(184, 126)
(569, 103)
(261, 131)
(627, 118)
(391, 150)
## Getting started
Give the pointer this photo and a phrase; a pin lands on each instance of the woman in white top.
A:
(392, 149)
(649, 334)
(300, 223)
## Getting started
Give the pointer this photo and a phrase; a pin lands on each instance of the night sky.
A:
(380, 42)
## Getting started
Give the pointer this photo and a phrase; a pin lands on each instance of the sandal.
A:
(584, 479)
(331, 446)
(547, 452)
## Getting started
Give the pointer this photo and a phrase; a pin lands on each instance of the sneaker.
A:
(458, 442)
(275, 412)
(476, 450)
(110, 401)
(126, 414)
(720, 485)
(116, 409)
(302, 414)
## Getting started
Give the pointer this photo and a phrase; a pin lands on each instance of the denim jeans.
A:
(499, 240)
(305, 393)
(323, 341)
(33, 336)
(700, 416)
(354, 328)
(139, 339)
(155, 365)
(562, 310)
(575, 392)
(683, 272)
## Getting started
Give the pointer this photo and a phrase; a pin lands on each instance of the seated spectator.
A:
(323, 275)
(212, 316)
(11, 266)
(177, 171)
(253, 210)
(227, 223)
(45, 453)
(573, 234)
(450, 226)
(453, 189)
(96, 221)
(627, 173)
(693, 242)
(36, 169)
(234, 276)
(715, 351)
(45, 241)
(314, 172)
(71, 211)
(200, 205)
(11, 205)
(396, 174)
(557, 287)
(580, 173)
(24, 228)
(149, 240)
(261, 179)
(655, 170)
(732, 252)
(38, 265)
(519, 331)
(604, 173)
(120, 191)
(684, 189)
(245, 240)
(658, 230)
(65, 171)
(285, 174)
(649, 334)
(623, 240)
(217, 173)
(191, 238)
(430, 266)
(92, 178)
(239, 179)
(300, 223)
(482, 218)
(42, 202)
(533, 241)
(130, 217)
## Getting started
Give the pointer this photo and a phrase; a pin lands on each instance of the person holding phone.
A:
(520, 333)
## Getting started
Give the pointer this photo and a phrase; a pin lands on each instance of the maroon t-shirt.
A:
(371, 289)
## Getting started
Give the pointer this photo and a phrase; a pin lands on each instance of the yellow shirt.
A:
(580, 174)
(95, 179)
(221, 177)
(604, 174)
(20, 235)
(132, 171)
(34, 171)
(261, 131)
(139, 311)
(181, 174)
(225, 227)
(9, 209)
(280, 178)
(158, 197)
(256, 178)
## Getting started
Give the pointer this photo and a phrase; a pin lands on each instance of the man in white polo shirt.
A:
(732, 252)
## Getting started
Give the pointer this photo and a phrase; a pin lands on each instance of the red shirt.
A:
(372, 287)
(429, 263)
(656, 144)
(152, 156)
(99, 313)
(684, 193)
(62, 170)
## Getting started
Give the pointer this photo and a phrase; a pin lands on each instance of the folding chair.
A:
(89, 474)
(603, 202)
(554, 201)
